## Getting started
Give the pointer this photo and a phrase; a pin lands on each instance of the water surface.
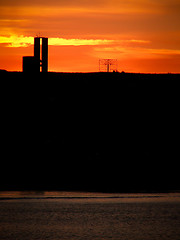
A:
(73, 216)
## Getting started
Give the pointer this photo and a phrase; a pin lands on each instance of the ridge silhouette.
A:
(109, 132)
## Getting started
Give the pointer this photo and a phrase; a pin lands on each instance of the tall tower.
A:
(37, 48)
(44, 63)
(41, 50)
(37, 54)
(40, 58)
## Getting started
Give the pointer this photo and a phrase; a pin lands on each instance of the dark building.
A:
(29, 64)
(44, 54)
(34, 63)
(37, 48)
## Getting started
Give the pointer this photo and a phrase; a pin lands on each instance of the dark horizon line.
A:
(117, 72)
(80, 190)
(84, 197)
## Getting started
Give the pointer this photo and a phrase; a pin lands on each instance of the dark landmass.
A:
(109, 132)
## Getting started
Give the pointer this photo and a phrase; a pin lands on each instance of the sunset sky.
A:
(143, 35)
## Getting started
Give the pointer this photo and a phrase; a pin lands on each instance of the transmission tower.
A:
(108, 65)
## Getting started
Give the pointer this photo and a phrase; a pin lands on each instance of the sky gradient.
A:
(143, 35)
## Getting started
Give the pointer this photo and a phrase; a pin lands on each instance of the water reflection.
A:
(105, 197)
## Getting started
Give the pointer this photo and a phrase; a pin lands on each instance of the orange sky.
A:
(143, 35)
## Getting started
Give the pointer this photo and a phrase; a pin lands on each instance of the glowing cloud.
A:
(21, 41)
(15, 41)
(78, 42)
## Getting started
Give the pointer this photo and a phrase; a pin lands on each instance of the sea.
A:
(89, 216)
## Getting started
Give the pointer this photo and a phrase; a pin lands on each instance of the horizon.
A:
(120, 72)
(143, 36)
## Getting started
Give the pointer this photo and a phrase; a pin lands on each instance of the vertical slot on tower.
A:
(41, 54)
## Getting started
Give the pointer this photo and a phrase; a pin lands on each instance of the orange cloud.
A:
(22, 41)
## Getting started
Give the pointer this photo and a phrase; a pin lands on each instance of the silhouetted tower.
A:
(37, 54)
(44, 54)
(37, 48)
(40, 58)
(107, 65)
(41, 51)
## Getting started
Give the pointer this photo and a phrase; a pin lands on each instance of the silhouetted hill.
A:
(92, 131)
